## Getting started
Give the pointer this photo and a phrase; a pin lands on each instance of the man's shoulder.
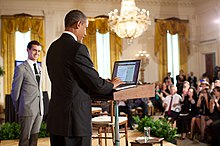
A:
(22, 65)
(177, 95)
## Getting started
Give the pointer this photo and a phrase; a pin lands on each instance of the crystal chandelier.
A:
(131, 22)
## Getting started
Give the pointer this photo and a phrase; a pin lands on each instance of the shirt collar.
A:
(31, 62)
(70, 33)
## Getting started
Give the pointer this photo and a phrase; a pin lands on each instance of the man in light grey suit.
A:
(27, 96)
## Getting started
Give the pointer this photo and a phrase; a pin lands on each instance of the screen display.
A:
(127, 71)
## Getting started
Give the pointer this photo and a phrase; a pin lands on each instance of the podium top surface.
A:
(141, 91)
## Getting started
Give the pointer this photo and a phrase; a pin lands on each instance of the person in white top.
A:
(172, 103)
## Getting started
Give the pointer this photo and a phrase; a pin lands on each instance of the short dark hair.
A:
(217, 88)
(29, 46)
(74, 16)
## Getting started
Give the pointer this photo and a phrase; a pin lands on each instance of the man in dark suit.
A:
(73, 79)
(192, 80)
(27, 96)
(168, 77)
(179, 81)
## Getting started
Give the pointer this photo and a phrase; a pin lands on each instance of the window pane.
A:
(173, 55)
(21, 41)
(103, 54)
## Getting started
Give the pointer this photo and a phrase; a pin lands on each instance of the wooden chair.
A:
(96, 111)
(105, 125)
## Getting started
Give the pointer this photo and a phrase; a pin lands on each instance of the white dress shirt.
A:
(176, 100)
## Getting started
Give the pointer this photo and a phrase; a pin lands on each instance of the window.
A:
(103, 54)
(173, 55)
(21, 41)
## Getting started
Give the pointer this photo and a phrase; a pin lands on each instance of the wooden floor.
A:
(132, 135)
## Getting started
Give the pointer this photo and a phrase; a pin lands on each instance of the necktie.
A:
(169, 110)
(36, 74)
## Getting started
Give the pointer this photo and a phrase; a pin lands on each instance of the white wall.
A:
(207, 39)
(55, 10)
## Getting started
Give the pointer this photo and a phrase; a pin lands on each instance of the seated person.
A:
(126, 106)
(123, 106)
(203, 108)
(157, 101)
(214, 109)
(172, 104)
(188, 110)
(143, 103)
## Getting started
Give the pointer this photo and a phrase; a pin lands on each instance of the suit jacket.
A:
(192, 81)
(73, 79)
(26, 95)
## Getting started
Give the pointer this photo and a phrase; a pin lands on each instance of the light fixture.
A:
(144, 57)
(131, 22)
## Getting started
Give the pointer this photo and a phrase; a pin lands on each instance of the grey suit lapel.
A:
(28, 68)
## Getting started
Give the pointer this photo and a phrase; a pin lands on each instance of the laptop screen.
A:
(127, 71)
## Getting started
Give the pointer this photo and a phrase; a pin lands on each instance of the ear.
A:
(78, 24)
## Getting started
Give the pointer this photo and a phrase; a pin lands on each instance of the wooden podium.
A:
(141, 91)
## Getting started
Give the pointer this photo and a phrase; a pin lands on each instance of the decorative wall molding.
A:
(181, 3)
(208, 41)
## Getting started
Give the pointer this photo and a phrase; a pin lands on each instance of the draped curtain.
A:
(100, 24)
(22, 23)
(175, 26)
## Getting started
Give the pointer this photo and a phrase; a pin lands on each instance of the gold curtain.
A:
(175, 26)
(100, 24)
(8, 51)
(11, 24)
(37, 33)
(90, 41)
(116, 48)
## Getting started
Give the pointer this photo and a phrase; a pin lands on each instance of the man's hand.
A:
(116, 81)
(165, 105)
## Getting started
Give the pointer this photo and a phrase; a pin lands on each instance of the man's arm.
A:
(16, 86)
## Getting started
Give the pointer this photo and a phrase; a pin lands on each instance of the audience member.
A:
(203, 105)
(203, 84)
(157, 101)
(165, 90)
(193, 110)
(192, 80)
(172, 104)
(168, 77)
(217, 83)
(214, 107)
(188, 105)
(143, 103)
(215, 116)
(216, 73)
(126, 106)
(185, 89)
(205, 77)
(180, 79)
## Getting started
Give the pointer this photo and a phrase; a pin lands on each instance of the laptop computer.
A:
(127, 71)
